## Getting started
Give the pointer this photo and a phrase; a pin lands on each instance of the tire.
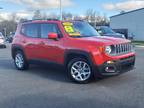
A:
(4, 46)
(20, 61)
(80, 71)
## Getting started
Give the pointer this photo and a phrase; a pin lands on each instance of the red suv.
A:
(73, 44)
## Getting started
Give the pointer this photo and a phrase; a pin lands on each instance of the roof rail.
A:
(55, 19)
(49, 19)
(79, 20)
(25, 21)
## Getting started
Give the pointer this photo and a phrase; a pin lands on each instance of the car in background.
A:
(107, 31)
(10, 37)
(2, 41)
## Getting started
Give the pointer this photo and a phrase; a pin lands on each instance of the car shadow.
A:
(47, 71)
(51, 72)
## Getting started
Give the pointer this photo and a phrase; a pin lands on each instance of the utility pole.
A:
(61, 17)
(0, 14)
(5, 32)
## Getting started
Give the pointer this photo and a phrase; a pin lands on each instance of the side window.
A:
(30, 30)
(48, 28)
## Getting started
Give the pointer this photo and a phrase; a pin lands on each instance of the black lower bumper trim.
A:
(119, 66)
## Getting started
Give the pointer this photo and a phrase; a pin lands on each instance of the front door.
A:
(51, 50)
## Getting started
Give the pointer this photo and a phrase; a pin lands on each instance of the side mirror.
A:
(52, 36)
(100, 32)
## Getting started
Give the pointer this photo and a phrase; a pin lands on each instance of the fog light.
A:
(110, 62)
(111, 69)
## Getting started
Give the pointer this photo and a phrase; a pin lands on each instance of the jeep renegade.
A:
(73, 44)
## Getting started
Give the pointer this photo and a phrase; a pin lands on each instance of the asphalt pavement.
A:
(45, 87)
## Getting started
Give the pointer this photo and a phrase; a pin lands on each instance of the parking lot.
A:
(44, 87)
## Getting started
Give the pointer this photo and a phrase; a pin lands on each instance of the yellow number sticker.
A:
(69, 29)
(67, 24)
(74, 34)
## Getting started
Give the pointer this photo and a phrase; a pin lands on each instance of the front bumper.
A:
(116, 67)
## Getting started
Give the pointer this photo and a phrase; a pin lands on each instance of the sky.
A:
(25, 8)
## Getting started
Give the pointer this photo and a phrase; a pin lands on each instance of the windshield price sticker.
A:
(68, 26)
(69, 29)
(74, 34)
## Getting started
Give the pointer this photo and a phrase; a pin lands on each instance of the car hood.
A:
(104, 40)
(117, 35)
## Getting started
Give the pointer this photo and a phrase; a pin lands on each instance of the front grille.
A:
(119, 49)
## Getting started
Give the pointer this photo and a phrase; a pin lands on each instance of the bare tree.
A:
(44, 16)
(52, 16)
(37, 15)
(67, 16)
(90, 15)
(7, 26)
(22, 20)
(96, 19)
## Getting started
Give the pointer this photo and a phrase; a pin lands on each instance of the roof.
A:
(46, 20)
(127, 12)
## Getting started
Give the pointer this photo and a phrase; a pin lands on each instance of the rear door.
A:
(31, 39)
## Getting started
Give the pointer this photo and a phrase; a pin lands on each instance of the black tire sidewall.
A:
(71, 62)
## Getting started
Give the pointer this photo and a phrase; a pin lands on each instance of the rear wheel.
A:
(4, 46)
(80, 71)
(20, 61)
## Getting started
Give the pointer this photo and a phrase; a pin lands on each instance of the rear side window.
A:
(30, 30)
(49, 28)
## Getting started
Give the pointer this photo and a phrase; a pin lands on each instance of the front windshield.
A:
(107, 30)
(80, 29)
(1, 36)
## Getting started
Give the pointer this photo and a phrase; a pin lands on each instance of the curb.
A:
(139, 46)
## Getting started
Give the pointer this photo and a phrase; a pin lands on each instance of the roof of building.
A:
(127, 12)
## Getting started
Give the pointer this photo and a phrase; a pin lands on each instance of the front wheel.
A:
(20, 61)
(80, 71)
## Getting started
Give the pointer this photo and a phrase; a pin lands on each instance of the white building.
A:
(133, 21)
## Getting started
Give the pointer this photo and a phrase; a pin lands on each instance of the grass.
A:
(141, 43)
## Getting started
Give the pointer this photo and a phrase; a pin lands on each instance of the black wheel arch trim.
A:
(14, 47)
(77, 52)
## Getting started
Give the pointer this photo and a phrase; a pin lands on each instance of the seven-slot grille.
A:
(123, 48)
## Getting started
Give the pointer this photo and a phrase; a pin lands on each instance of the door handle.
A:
(23, 41)
(42, 43)
(30, 43)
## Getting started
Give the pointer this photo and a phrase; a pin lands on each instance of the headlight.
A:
(1, 41)
(108, 49)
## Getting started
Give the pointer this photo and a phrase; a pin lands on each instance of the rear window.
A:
(30, 30)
